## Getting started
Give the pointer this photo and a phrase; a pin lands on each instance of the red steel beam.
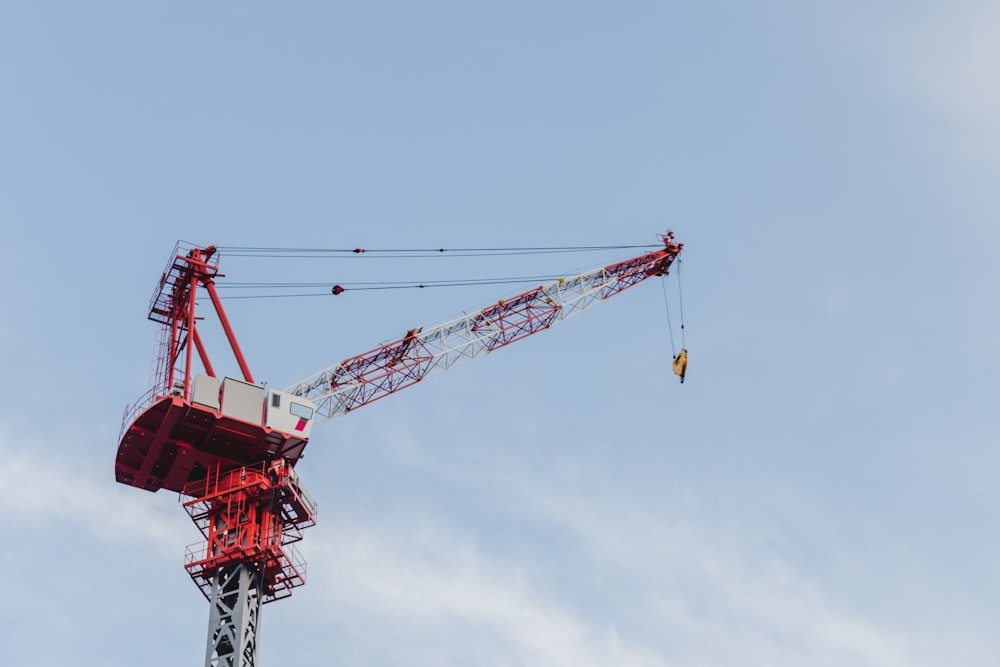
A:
(230, 336)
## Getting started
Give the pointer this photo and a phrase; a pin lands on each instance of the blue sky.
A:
(820, 491)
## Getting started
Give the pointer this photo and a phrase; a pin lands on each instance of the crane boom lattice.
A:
(423, 353)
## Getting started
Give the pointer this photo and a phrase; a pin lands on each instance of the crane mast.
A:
(229, 446)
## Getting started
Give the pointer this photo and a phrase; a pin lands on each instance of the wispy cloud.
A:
(427, 586)
(944, 58)
(734, 601)
(677, 587)
(689, 590)
(35, 488)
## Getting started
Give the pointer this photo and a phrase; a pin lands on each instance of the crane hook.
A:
(681, 364)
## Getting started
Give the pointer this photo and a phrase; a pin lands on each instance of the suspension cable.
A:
(337, 289)
(390, 253)
(275, 296)
(396, 283)
(326, 253)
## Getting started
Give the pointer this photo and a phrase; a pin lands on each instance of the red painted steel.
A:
(202, 354)
(173, 442)
(513, 319)
(192, 302)
(250, 515)
(228, 329)
(386, 369)
(173, 306)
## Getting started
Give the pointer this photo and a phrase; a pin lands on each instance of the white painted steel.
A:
(462, 339)
(234, 617)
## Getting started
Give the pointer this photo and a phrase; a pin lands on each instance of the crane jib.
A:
(424, 352)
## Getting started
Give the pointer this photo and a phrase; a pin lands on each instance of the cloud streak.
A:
(430, 587)
(35, 488)
(689, 589)
(944, 58)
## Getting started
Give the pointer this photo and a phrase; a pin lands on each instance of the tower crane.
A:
(229, 446)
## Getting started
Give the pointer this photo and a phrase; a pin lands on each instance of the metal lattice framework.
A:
(250, 518)
(423, 353)
(244, 496)
(173, 307)
(234, 619)
(251, 515)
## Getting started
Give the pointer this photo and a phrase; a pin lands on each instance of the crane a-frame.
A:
(230, 445)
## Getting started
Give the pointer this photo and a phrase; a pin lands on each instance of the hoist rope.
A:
(670, 326)
(680, 299)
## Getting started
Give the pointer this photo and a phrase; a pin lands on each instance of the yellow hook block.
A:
(681, 364)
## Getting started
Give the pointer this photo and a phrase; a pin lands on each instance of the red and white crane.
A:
(230, 445)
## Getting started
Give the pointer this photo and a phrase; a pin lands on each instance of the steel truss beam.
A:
(423, 353)
(234, 618)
